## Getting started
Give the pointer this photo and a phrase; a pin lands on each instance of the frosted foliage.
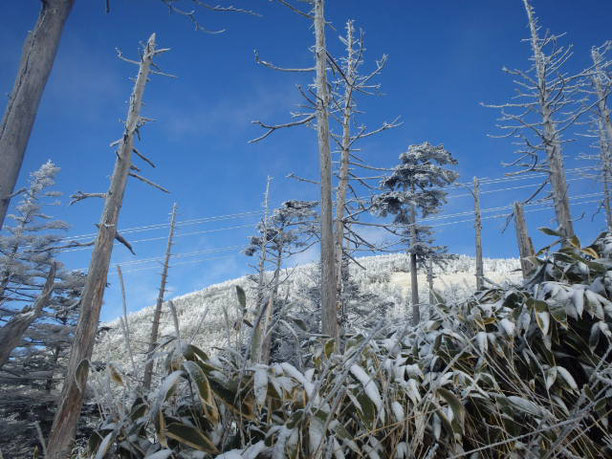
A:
(386, 277)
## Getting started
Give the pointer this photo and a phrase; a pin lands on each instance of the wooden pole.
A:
(329, 320)
(148, 372)
(478, 228)
(35, 67)
(523, 239)
(414, 280)
(73, 391)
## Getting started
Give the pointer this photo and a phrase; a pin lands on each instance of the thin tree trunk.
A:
(430, 284)
(347, 112)
(329, 319)
(267, 332)
(34, 69)
(414, 281)
(552, 142)
(604, 124)
(12, 333)
(478, 228)
(71, 398)
(258, 330)
(523, 239)
(148, 372)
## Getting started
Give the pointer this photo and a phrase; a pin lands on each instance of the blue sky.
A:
(444, 58)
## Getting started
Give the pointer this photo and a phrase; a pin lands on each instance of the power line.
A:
(195, 221)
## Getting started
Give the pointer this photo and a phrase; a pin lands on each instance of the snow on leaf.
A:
(525, 405)
(508, 327)
(567, 376)
(315, 434)
(578, 300)
(260, 384)
(483, 342)
(543, 320)
(398, 411)
(369, 386)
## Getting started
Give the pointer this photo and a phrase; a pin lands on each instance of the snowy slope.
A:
(208, 317)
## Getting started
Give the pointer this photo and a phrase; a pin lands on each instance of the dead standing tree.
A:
(34, 69)
(71, 398)
(348, 86)
(599, 88)
(546, 105)
(321, 103)
(148, 372)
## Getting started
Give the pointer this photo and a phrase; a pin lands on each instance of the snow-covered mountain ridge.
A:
(208, 317)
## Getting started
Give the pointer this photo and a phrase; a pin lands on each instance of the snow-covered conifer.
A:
(416, 188)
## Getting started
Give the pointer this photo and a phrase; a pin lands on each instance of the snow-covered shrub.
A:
(512, 372)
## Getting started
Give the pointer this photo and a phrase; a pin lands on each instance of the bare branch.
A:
(148, 182)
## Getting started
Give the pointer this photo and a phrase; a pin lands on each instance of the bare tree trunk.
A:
(12, 332)
(552, 141)
(604, 125)
(478, 228)
(414, 281)
(267, 331)
(34, 69)
(430, 284)
(329, 319)
(258, 327)
(523, 239)
(148, 372)
(347, 112)
(71, 398)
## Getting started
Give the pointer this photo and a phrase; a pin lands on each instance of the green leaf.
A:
(456, 406)
(191, 437)
(205, 393)
(105, 446)
(241, 296)
(165, 389)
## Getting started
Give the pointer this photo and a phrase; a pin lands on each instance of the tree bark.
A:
(12, 332)
(329, 319)
(347, 112)
(523, 240)
(414, 281)
(478, 228)
(430, 284)
(604, 125)
(34, 69)
(148, 372)
(552, 138)
(71, 398)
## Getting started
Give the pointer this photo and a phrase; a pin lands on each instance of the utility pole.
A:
(523, 240)
(148, 372)
(478, 228)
